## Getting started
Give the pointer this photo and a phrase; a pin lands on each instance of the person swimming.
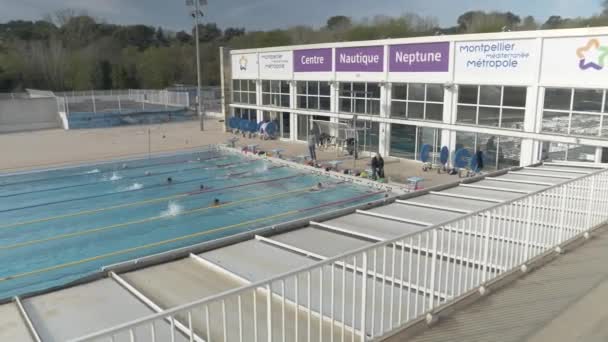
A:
(202, 186)
(216, 202)
(148, 173)
(318, 187)
(169, 180)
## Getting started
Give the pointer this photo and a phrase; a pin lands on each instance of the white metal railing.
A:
(376, 289)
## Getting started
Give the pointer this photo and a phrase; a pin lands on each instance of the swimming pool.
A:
(59, 225)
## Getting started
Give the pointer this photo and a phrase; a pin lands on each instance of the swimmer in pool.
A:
(318, 187)
(216, 202)
(169, 180)
(202, 186)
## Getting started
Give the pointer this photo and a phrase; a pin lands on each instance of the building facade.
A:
(520, 97)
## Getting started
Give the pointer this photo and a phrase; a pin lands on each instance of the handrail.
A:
(330, 261)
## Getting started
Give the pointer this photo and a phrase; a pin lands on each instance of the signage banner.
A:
(578, 60)
(245, 66)
(312, 60)
(507, 60)
(422, 57)
(360, 59)
(276, 64)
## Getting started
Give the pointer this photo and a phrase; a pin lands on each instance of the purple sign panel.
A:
(360, 59)
(313, 60)
(424, 57)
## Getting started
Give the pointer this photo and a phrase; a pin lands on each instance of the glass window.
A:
(490, 95)
(587, 117)
(465, 140)
(467, 94)
(415, 110)
(489, 116)
(303, 123)
(556, 98)
(417, 101)
(313, 88)
(580, 153)
(434, 112)
(399, 92)
(513, 118)
(588, 100)
(495, 102)
(363, 99)
(324, 89)
(556, 122)
(488, 145)
(585, 124)
(358, 88)
(509, 152)
(301, 88)
(399, 109)
(416, 92)
(434, 93)
(514, 97)
(273, 95)
(403, 141)
(324, 103)
(466, 115)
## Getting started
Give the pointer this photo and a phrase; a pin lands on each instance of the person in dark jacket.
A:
(312, 144)
(479, 156)
(377, 166)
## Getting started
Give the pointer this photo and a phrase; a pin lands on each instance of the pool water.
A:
(59, 225)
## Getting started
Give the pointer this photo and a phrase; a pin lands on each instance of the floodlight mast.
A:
(197, 13)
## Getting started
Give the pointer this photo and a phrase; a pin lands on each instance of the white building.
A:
(520, 97)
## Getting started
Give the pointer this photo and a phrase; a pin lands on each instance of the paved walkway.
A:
(566, 300)
(55, 147)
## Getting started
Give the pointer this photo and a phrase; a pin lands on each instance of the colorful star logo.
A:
(243, 63)
(582, 52)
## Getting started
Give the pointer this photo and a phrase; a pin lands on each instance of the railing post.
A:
(433, 263)
(269, 312)
(590, 204)
(528, 229)
(363, 299)
(486, 247)
(562, 214)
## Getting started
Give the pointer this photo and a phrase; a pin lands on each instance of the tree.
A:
(208, 32)
(339, 22)
(140, 36)
(554, 21)
(183, 37)
(160, 36)
(233, 32)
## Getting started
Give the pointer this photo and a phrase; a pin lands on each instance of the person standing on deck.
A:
(312, 143)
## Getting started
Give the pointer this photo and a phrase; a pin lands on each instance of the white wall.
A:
(28, 114)
(532, 59)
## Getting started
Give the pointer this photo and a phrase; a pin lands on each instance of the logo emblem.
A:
(243, 63)
(584, 53)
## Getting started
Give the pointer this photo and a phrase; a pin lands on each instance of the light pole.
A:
(196, 14)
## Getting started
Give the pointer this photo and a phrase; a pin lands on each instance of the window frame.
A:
(270, 93)
(501, 106)
(307, 96)
(354, 100)
(244, 89)
(571, 112)
(426, 103)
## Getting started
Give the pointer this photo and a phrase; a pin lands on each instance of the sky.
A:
(270, 14)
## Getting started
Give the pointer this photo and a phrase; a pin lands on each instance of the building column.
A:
(384, 129)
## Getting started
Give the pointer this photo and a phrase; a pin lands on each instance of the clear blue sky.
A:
(268, 14)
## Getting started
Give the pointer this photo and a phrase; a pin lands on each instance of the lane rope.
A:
(164, 242)
(133, 204)
(146, 220)
(108, 171)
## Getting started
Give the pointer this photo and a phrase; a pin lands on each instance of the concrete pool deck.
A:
(26, 150)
